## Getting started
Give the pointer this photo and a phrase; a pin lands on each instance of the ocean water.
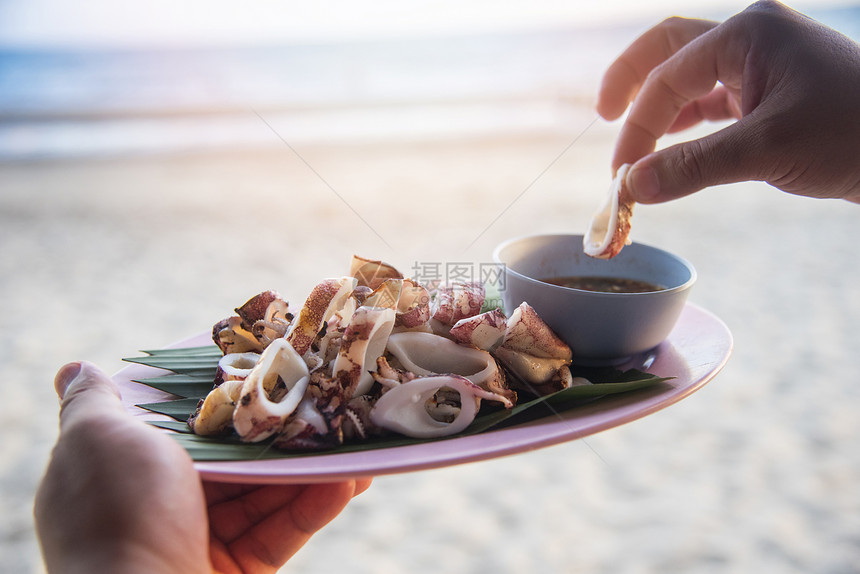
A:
(97, 103)
(104, 103)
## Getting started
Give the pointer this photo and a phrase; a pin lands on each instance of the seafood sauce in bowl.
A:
(606, 309)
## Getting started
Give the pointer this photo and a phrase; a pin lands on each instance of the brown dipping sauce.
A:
(604, 284)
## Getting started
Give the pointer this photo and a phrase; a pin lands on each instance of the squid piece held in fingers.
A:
(609, 229)
(326, 299)
(258, 413)
(409, 408)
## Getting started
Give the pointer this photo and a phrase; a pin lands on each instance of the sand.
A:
(757, 472)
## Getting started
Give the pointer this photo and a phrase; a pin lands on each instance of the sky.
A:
(111, 23)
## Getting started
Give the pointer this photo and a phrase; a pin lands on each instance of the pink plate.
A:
(694, 353)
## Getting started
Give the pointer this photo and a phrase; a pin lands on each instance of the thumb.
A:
(85, 391)
(726, 156)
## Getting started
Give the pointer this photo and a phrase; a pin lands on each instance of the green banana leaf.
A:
(194, 371)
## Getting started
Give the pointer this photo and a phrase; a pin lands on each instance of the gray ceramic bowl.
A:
(599, 327)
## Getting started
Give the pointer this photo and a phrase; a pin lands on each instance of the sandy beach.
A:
(757, 472)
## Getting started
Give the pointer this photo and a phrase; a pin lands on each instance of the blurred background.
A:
(161, 162)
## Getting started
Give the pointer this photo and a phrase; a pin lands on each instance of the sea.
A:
(84, 102)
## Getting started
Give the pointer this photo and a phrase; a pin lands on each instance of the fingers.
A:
(747, 60)
(233, 516)
(319, 504)
(619, 85)
(361, 485)
(65, 376)
(625, 76)
(218, 492)
(85, 392)
(691, 74)
(784, 78)
(722, 157)
(235, 508)
(720, 104)
(270, 524)
(718, 54)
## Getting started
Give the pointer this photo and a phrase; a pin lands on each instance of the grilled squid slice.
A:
(236, 366)
(363, 342)
(232, 337)
(413, 306)
(458, 301)
(214, 416)
(426, 354)
(275, 322)
(531, 369)
(371, 272)
(532, 350)
(527, 332)
(271, 392)
(260, 319)
(407, 408)
(385, 295)
(485, 331)
(609, 229)
(258, 307)
(326, 299)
